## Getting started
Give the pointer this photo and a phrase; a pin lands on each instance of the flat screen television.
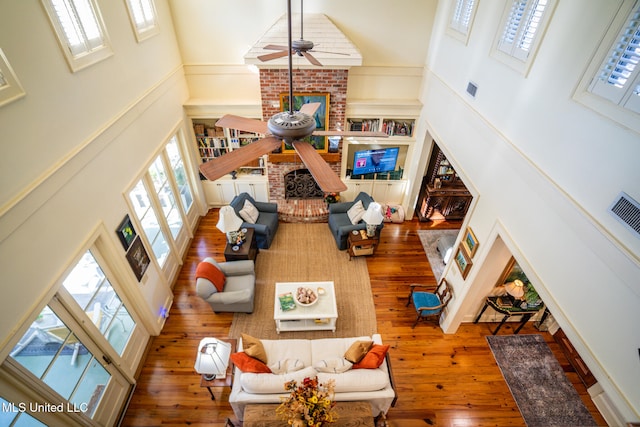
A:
(378, 160)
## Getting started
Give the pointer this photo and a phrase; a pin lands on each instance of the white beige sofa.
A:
(372, 385)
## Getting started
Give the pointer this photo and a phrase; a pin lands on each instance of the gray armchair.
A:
(339, 222)
(267, 224)
(239, 287)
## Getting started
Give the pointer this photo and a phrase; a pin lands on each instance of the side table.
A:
(227, 381)
(247, 250)
(360, 244)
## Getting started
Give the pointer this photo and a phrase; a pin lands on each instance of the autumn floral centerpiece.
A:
(309, 404)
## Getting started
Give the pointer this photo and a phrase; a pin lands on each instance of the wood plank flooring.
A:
(441, 380)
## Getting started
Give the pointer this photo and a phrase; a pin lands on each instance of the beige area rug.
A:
(308, 252)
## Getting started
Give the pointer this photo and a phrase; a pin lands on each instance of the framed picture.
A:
(470, 242)
(463, 261)
(138, 258)
(321, 116)
(126, 233)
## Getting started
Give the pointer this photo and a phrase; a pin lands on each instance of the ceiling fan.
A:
(300, 47)
(290, 126)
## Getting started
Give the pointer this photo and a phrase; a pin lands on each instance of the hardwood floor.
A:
(441, 380)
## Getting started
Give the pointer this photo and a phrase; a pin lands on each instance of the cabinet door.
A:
(219, 193)
(256, 189)
(389, 192)
(355, 187)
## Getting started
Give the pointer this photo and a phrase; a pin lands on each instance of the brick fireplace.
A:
(274, 82)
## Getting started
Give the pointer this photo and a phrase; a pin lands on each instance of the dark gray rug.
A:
(429, 239)
(537, 382)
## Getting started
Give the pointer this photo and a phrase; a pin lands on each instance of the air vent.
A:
(472, 88)
(627, 211)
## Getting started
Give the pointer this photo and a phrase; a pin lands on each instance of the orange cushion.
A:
(247, 363)
(374, 357)
(208, 271)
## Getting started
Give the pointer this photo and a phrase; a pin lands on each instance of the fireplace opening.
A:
(299, 184)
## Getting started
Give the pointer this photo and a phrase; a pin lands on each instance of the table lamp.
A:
(229, 223)
(515, 289)
(213, 358)
(373, 217)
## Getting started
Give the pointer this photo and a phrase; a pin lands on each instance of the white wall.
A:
(73, 146)
(544, 170)
(214, 36)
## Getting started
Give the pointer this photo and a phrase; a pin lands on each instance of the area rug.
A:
(307, 253)
(429, 239)
(537, 382)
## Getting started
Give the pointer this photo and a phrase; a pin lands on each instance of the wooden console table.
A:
(526, 313)
(350, 414)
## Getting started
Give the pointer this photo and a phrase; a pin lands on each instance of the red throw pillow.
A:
(374, 357)
(208, 271)
(247, 363)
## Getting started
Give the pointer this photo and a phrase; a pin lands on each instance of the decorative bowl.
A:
(305, 297)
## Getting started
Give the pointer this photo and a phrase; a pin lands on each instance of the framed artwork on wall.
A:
(463, 261)
(321, 116)
(470, 242)
(126, 233)
(138, 258)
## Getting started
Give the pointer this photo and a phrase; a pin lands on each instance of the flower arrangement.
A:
(309, 404)
(332, 198)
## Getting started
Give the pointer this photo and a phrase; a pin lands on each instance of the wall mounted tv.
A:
(378, 160)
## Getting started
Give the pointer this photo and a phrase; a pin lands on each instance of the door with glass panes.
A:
(79, 351)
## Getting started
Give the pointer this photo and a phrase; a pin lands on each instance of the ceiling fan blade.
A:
(332, 53)
(310, 108)
(311, 59)
(347, 133)
(220, 166)
(326, 178)
(242, 123)
(275, 55)
(276, 47)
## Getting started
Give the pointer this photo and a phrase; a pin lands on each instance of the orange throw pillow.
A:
(208, 271)
(247, 363)
(374, 357)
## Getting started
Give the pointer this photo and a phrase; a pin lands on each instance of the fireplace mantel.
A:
(293, 157)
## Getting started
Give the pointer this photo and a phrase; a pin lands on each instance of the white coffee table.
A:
(319, 316)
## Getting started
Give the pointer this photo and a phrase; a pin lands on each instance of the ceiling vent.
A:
(627, 211)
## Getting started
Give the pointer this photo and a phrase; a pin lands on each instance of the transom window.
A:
(143, 18)
(524, 22)
(80, 31)
(462, 15)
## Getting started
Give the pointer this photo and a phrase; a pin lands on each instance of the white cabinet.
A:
(389, 192)
(354, 187)
(222, 191)
(258, 189)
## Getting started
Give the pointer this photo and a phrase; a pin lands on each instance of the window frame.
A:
(11, 90)
(143, 32)
(601, 105)
(460, 32)
(85, 57)
(515, 57)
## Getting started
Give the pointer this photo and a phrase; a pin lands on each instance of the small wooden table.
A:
(360, 244)
(247, 250)
(350, 414)
(227, 381)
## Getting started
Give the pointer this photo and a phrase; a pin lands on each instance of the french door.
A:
(81, 350)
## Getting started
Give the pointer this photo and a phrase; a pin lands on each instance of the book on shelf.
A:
(286, 301)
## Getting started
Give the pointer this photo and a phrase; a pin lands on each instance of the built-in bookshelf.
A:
(391, 126)
(215, 141)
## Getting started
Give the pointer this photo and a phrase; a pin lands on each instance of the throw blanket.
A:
(208, 271)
